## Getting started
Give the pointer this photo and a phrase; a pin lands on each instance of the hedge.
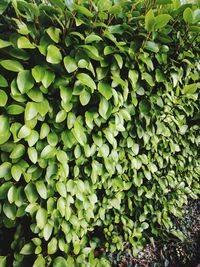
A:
(99, 126)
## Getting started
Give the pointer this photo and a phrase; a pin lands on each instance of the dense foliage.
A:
(99, 129)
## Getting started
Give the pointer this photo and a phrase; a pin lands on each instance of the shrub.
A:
(99, 126)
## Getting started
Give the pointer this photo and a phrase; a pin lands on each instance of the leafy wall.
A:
(99, 126)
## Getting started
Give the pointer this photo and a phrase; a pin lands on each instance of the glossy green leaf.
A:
(5, 168)
(61, 116)
(85, 79)
(15, 109)
(85, 97)
(3, 260)
(12, 65)
(41, 189)
(30, 111)
(60, 262)
(52, 246)
(47, 231)
(3, 81)
(27, 249)
(105, 89)
(3, 98)
(4, 43)
(16, 172)
(79, 133)
(18, 151)
(24, 132)
(149, 21)
(54, 33)
(24, 42)
(41, 218)
(70, 64)
(33, 155)
(9, 210)
(188, 15)
(190, 88)
(161, 21)
(54, 55)
(24, 81)
(31, 193)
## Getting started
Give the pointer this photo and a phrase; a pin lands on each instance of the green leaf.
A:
(24, 132)
(66, 93)
(79, 133)
(33, 155)
(38, 73)
(48, 152)
(92, 38)
(86, 80)
(27, 249)
(24, 81)
(4, 129)
(47, 231)
(15, 109)
(32, 138)
(61, 206)
(133, 76)
(149, 21)
(54, 33)
(148, 78)
(16, 172)
(83, 10)
(103, 107)
(179, 234)
(35, 94)
(41, 188)
(39, 262)
(188, 15)
(12, 194)
(60, 187)
(3, 98)
(144, 106)
(31, 193)
(41, 218)
(105, 89)
(9, 210)
(60, 262)
(61, 116)
(70, 64)
(53, 55)
(91, 51)
(119, 60)
(18, 151)
(52, 139)
(24, 42)
(3, 259)
(44, 130)
(12, 65)
(5, 168)
(161, 21)
(58, 3)
(190, 88)
(52, 246)
(4, 44)
(30, 111)
(48, 78)
(160, 76)
(85, 97)
(151, 46)
(3, 81)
